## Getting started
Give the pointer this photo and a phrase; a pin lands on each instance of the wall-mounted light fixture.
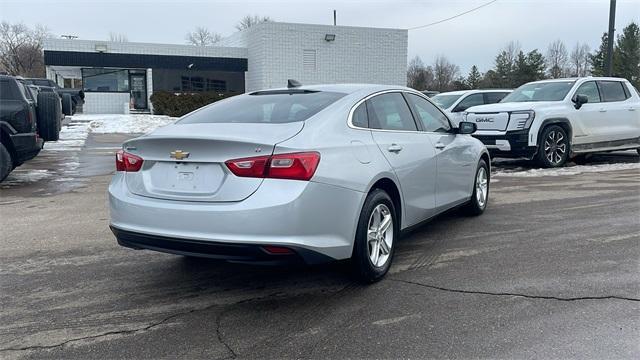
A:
(330, 37)
(101, 48)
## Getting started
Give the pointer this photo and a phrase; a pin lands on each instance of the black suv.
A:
(28, 118)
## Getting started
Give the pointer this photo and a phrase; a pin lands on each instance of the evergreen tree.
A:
(598, 59)
(627, 54)
(529, 67)
(474, 78)
(503, 70)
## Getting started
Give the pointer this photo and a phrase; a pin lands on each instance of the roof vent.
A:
(293, 83)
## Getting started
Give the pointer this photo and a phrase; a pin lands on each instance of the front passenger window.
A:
(590, 90)
(469, 101)
(433, 120)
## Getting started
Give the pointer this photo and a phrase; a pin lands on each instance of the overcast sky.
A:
(474, 38)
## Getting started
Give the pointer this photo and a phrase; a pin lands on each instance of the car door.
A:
(620, 112)
(591, 116)
(464, 104)
(408, 151)
(454, 156)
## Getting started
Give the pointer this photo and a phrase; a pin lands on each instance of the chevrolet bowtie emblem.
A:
(179, 154)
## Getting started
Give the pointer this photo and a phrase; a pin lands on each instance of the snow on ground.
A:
(572, 170)
(124, 124)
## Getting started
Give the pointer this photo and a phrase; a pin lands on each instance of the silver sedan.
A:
(304, 173)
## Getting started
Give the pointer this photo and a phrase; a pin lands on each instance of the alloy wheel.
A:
(380, 235)
(482, 185)
(555, 147)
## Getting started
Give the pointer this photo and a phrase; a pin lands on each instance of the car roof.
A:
(343, 88)
(578, 79)
(474, 91)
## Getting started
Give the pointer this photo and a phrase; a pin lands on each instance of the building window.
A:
(105, 80)
(309, 60)
(198, 83)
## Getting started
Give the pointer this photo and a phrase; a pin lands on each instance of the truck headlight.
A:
(522, 119)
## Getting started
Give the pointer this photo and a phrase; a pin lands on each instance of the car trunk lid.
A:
(186, 162)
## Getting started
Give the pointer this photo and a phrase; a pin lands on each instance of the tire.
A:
(554, 147)
(49, 114)
(480, 194)
(377, 203)
(67, 104)
(638, 150)
(6, 163)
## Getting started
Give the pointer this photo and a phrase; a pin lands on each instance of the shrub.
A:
(178, 104)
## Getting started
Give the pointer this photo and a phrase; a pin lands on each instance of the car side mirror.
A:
(465, 127)
(458, 108)
(580, 100)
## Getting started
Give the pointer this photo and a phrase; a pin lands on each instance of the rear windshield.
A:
(274, 107)
(9, 90)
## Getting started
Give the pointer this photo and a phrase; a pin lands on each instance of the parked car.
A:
(430, 93)
(311, 173)
(552, 121)
(71, 98)
(454, 103)
(28, 118)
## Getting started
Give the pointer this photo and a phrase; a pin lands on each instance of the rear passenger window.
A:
(590, 90)
(360, 118)
(390, 112)
(494, 97)
(612, 91)
(433, 120)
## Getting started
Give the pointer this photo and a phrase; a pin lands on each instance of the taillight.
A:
(128, 162)
(294, 166)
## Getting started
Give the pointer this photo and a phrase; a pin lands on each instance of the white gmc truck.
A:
(552, 121)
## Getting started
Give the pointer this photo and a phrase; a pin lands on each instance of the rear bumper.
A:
(512, 144)
(246, 253)
(317, 221)
(26, 146)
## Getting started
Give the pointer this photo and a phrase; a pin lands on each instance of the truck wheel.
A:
(67, 104)
(553, 148)
(49, 114)
(6, 164)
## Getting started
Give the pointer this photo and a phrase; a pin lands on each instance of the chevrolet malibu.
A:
(311, 173)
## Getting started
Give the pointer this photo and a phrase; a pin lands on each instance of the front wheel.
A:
(6, 163)
(553, 151)
(480, 194)
(374, 243)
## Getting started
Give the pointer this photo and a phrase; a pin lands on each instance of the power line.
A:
(453, 17)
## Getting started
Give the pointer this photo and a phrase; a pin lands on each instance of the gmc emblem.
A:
(484, 120)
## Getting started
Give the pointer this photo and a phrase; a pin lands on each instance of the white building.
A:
(116, 76)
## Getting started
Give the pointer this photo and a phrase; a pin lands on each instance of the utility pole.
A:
(610, 39)
(334, 18)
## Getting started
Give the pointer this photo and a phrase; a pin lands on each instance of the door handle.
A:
(440, 146)
(394, 148)
(603, 110)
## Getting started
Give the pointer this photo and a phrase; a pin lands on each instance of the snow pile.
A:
(72, 137)
(125, 124)
(18, 176)
(573, 170)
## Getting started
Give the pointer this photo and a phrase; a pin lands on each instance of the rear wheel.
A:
(374, 243)
(49, 114)
(480, 195)
(553, 149)
(6, 163)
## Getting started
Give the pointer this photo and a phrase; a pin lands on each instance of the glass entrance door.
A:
(138, 83)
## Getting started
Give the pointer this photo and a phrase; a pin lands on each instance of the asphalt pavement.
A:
(550, 270)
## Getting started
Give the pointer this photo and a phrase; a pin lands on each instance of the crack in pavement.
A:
(543, 297)
(146, 328)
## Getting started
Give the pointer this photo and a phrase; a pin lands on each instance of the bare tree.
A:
(118, 37)
(202, 36)
(248, 21)
(511, 51)
(21, 49)
(444, 72)
(419, 77)
(580, 60)
(557, 58)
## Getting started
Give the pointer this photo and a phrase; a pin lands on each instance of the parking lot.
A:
(551, 270)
